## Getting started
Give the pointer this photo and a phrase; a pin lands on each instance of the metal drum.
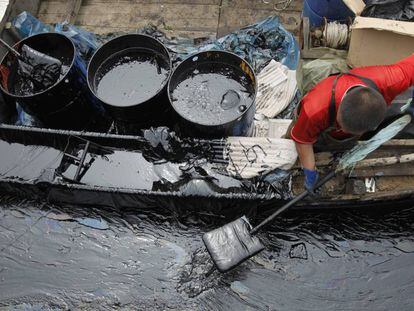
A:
(129, 75)
(213, 94)
(66, 104)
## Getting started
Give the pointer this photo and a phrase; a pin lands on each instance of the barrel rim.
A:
(253, 104)
(121, 37)
(58, 81)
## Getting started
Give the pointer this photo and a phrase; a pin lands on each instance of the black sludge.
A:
(213, 94)
(131, 76)
(36, 72)
(49, 82)
(73, 257)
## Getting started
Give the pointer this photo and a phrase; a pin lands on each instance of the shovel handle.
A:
(292, 202)
(10, 48)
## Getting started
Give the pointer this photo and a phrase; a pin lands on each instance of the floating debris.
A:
(298, 251)
(240, 289)
(99, 224)
(59, 216)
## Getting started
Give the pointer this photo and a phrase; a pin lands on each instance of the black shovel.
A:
(233, 243)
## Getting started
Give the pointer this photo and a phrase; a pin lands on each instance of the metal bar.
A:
(72, 157)
(85, 151)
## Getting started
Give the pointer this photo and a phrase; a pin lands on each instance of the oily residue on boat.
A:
(131, 76)
(213, 94)
(154, 259)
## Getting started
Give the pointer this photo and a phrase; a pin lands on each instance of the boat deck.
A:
(192, 18)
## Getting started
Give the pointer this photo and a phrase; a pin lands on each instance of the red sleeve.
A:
(307, 127)
(392, 80)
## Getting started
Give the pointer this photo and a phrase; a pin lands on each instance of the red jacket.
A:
(314, 116)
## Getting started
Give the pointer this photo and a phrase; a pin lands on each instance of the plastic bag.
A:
(390, 9)
(27, 25)
(85, 41)
(260, 42)
(257, 44)
(26, 119)
(315, 71)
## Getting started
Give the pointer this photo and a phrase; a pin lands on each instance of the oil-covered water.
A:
(131, 76)
(213, 94)
(155, 260)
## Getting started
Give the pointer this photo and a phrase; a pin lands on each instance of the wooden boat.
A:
(384, 178)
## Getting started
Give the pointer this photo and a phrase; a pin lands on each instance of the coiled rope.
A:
(335, 34)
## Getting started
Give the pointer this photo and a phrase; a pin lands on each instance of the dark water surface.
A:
(343, 260)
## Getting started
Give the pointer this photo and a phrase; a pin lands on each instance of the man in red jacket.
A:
(341, 108)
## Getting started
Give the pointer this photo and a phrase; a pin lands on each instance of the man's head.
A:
(361, 110)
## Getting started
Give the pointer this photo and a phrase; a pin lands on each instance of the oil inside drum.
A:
(24, 86)
(213, 94)
(131, 76)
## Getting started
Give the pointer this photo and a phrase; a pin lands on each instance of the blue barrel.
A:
(333, 10)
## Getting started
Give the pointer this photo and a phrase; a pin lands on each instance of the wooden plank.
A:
(404, 169)
(120, 20)
(52, 18)
(402, 158)
(195, 18)
(399, 143)
(170, 33)
(305, 33)
(173, 15)
(205, 2)
(168, 11)
(235, 18)
(52, 7)
(73, 10)
(269, 5)
(315, 53)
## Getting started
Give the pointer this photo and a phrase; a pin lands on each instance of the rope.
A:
(335, 34)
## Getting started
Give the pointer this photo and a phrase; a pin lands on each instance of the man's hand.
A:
(311, 178)
(307, 159)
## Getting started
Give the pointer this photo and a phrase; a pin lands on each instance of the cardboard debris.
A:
(272, 128)
(277, 87)
(251, 156)
(377, 41)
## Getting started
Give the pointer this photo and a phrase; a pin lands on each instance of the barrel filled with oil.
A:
(61, 101)
(213, 95)
(129, 76)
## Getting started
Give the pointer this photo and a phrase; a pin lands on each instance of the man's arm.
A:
(306, 156)
(392, 80)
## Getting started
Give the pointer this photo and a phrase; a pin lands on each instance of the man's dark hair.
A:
(361, 110)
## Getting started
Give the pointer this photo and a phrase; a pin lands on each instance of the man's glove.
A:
(311, 178)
